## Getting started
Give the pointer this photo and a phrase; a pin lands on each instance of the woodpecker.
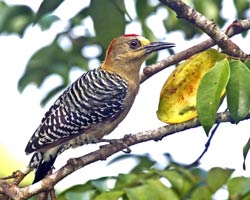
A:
(94, 104)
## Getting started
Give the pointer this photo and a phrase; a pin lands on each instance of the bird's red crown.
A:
(130, 35)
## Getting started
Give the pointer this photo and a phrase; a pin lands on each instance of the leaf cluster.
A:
(145, 182)
(232, 75)
(197, 87)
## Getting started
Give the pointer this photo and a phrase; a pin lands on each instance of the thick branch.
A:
(104, 152)
(129, 140)
(184, 11)
(236, 27)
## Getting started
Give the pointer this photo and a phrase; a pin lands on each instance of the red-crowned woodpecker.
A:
(94, 104)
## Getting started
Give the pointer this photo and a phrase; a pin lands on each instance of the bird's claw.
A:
(117, 141)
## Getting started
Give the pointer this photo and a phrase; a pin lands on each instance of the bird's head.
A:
(126, 53)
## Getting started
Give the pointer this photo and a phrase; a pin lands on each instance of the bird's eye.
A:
(134, 44)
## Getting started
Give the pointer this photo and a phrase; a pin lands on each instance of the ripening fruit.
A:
(178, 95)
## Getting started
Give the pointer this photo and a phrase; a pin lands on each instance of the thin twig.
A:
(236, 27)
(197, 161)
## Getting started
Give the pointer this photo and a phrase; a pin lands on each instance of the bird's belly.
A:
(98, 131)
(93, 135)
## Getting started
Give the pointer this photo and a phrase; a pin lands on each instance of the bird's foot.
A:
(117, 141)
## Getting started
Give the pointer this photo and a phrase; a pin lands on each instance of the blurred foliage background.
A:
(148, 181)
(109, 19)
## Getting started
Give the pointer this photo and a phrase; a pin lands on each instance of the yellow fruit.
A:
(178, 95)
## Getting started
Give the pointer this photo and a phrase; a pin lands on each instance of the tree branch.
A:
(236, 27)
(103, 153)
(191, 15)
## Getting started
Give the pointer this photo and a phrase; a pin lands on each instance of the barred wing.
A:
(95, 97)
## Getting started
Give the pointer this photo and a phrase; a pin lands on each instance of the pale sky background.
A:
(21, 113)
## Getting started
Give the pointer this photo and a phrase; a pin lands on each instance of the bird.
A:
(93, 105)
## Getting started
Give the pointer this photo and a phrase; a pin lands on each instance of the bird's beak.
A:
(156, 46)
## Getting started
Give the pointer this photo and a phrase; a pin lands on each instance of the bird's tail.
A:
(42, 162)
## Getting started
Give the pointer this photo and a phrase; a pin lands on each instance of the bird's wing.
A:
(95, 97)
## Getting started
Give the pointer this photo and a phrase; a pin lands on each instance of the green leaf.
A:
(239, 186)
(77, 19)
(241, 6)
(245, 152)
(217, 177)
(211, 9)
(214, 11)
(172, 23)
(108, 24)
(101, 183)
(143, 10)
(147, 32)
(238, 90)
(122, 8)
(132, 179)
(209, 93)
(46, 21)
(126, 180)
(48, 60)
(153, 189)
(83, 191)
(47, 6)
(179, 182)
(247, 63)
(199, 173)
(112, 195)
(201, 193)
(144, 164)
(15, 19)
(51, 59)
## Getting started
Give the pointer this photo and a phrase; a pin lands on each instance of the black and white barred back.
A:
(95, 97)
